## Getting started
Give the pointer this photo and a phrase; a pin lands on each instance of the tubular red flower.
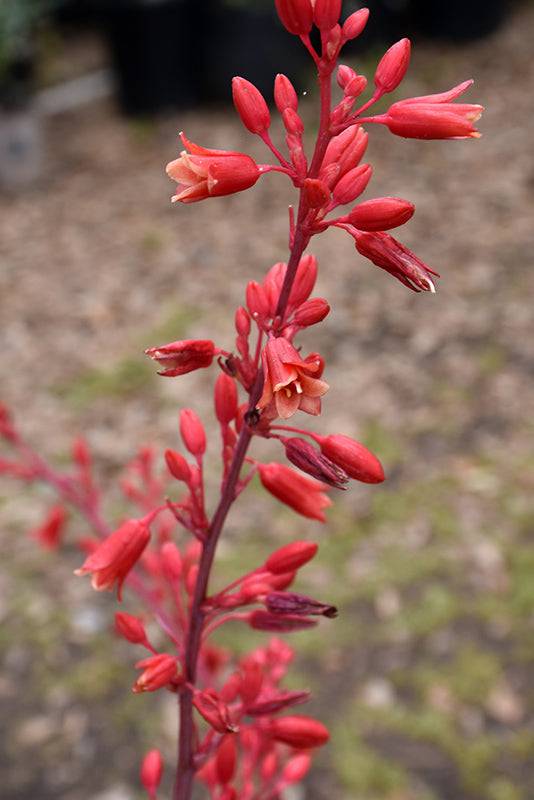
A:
(210, 706)
(130, 628)
(299, 731)
(291, 557)
(289, 380)
(192, 432)
(113, 559)
(158, 671)
(389, 254)
(393, 66)
(357, 461)
(354, 24)
(326, 13)
(433, 120)
(296, 15)
(304, 495)
(311, 312)
(296, 768)
(381, 214)
(285, 95)
(225, 399)
(179, 358)
(202, 173)
(250, 105)
(352, 184)
(225, 760)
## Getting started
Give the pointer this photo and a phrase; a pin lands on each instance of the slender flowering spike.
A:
(285, 95)
(357, 461)
(48, 534)
(311, 312)
(299, 731)
(326, 13)
(192, 432)
(130, 628)
(202, 173)
(151, 772)
(289, 381)
(225, 399)
(304, 495)
(292, 603)
(113, 559)
(279, 623)
(179, 358)
(296, 768)
(158, 671)
(433, 120)
(354, 24)
(178, 466)
(393, 67)
(250, 105)
(352, 184)
(381, 214)
(225, 760)
(304, 456)
(291, 557)
(296, 15)
(389, 254)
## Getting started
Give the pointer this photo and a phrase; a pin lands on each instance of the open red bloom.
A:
(289, 380)
(202, 173)
(179, 358)
(113, 559)
(158, 671)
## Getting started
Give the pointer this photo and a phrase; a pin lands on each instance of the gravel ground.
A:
(96, 265)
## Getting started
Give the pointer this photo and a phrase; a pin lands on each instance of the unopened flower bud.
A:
(311, 312)
(333, 42)
(130, 628)
(354, 24)
(357, 461)
(305, 495)
(151, 772)
(225, 760)
(177, 466)
(251, 681)
(225, 399)
(179, 358)
(292, 122)
(291, 557)
(304, 456)
(171, 560)
(192, 432)
(305, 279)
(326, 13)
(393, 66)
(381, 214)
(296, 768)
(299, 731)
(257, 302)
(49, 533)
(293, 603)
(279, 702)
(285, 95)
(279, 623)
(296, 15)
(352, 184)
(250, 105)
(242, 322)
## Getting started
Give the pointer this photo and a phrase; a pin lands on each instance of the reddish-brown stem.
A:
(186, 768)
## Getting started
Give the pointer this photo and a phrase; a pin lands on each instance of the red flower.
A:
(289, 381)
(355, 459)
(299, 731)
(305, 495)
(179, 358)
(202, 173)
(151, 772)
(48, 534)
(389, 254)
(435, 116)
(115, 556)
(158, 671)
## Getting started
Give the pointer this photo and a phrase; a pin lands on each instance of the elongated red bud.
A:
(293, 123)
(242, 322)
(171, 560)
(179, 358)
(285, 95)
(354, 24)
(225, 760)
(251, 681)
(277, 703)
(151, 772)
(177, 466)
(158, 671)
(291, 557)
(225, 399)
(381, 214)
(130, 628)
(326, 13)
(250, 105)
(279, 623)
(311, 312)
(192, 432)
(304, 280)
(49, 533)
(304, 495)
(296, 768)
(357, 461)
(353, 184)
(295, 15)
(393, 66)
(257, 301)
(299, 731)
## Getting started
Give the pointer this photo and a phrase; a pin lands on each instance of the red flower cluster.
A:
(238, 732)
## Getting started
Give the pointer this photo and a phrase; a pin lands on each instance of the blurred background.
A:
(426, 678)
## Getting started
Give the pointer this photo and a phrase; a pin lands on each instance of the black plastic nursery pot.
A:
(155, 53)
